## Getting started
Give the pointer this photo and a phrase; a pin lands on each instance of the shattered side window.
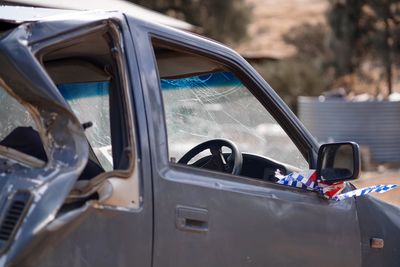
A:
(217, 105)
(18, 130)
(90, 103)
(12, 115)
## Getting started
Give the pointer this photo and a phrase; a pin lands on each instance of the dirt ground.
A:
(385, 177)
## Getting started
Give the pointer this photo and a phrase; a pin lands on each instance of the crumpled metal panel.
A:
(65, 144)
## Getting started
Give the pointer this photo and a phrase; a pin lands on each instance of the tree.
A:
(307, 72)
(310, 41)
(385, 19)
(220, 19)
(365, 30)
(343, 18)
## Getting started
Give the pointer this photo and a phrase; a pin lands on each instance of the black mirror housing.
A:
(338, 162)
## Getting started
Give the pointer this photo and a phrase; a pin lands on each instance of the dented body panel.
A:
(245, 222)
(22, 76)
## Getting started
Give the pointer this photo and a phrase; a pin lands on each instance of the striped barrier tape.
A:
(364, 191)
(308, 180)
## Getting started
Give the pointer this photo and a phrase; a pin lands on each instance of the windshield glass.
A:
(217, 105)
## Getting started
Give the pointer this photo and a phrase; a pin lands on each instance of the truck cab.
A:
(127, 143)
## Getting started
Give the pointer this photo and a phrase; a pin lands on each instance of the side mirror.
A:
(338, 162)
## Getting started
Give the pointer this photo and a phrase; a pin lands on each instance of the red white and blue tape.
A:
(308, 180)
(364, 191)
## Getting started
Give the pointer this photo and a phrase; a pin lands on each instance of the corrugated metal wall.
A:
(375, 124)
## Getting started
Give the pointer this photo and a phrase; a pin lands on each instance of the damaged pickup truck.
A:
(126, 143)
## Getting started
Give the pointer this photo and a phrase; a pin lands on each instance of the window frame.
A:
(119, 84)
(299, 135)
(256, 90)
(129, 177)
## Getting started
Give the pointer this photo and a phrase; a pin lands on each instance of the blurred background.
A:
(334, 62)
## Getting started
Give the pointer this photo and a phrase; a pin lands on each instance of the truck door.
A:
(204, 214)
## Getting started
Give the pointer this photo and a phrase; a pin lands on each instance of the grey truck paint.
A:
(186, 216)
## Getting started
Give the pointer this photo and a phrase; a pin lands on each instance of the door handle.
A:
(191, 219)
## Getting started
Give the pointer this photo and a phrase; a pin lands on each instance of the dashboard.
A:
(255, 166)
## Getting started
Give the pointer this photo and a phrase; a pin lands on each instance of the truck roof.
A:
(20, 14)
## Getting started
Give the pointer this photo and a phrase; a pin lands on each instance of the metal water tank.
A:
(375, 124)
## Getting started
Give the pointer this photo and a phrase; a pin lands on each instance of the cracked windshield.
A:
(204, 105)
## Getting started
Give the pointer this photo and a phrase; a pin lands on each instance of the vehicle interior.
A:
(215, 122)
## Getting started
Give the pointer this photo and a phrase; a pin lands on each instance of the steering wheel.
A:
(217, 162)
